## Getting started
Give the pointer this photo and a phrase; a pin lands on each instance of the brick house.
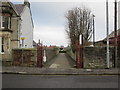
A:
(13, 28)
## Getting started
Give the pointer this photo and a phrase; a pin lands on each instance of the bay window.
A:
(5, 22)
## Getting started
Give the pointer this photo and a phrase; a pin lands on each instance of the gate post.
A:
(77, 55)
(39, 55)
(81, 56)
(79, 52)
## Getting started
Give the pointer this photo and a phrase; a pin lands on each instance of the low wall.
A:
(26, 57)
(50, 53)
(70, 53)
(94, 57)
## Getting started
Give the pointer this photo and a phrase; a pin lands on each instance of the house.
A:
(26, 25)
(16, 28)
(111, 39)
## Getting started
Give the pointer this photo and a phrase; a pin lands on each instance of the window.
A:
(3, 22)
(8, 46)
(2, 45)
(6, 22)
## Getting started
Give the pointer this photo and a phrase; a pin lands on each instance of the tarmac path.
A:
(61, 61)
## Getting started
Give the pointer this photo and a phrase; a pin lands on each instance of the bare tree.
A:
(79, 21)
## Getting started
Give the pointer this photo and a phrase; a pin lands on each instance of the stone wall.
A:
(27, 57)
(95, 57)
(50, 53)
(70, 53)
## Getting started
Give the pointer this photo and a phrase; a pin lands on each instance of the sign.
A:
(22, 38)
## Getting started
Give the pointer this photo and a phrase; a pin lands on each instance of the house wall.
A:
(15, 29)
(6, 56)
(27, 28)
(10, 40)
(10, 36)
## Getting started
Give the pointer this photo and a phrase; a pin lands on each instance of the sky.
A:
(50, 22)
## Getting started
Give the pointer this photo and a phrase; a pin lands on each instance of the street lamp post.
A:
(22, 38)
(107, 27)
(115, 35)
(93, 31)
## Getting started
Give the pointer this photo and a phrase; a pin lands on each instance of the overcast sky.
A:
(50, 22)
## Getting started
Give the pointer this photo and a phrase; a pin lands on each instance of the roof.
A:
(112, 34)
(34, 43)
(10, 4)
(19, 8)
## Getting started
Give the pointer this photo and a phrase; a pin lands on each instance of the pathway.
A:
(61, 61)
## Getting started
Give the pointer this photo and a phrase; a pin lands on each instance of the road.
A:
(61, 61)
(59, 81)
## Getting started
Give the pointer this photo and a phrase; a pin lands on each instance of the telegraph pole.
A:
(115, 35)
(107, 27)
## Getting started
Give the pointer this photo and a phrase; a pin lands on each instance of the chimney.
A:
(26, 2)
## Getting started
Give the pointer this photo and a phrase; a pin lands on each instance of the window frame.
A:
(6, 20)
(2, 45)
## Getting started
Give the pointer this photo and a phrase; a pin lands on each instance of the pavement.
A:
(57, 71)
(60, 65)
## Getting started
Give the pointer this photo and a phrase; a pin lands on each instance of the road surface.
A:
(59, 81)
